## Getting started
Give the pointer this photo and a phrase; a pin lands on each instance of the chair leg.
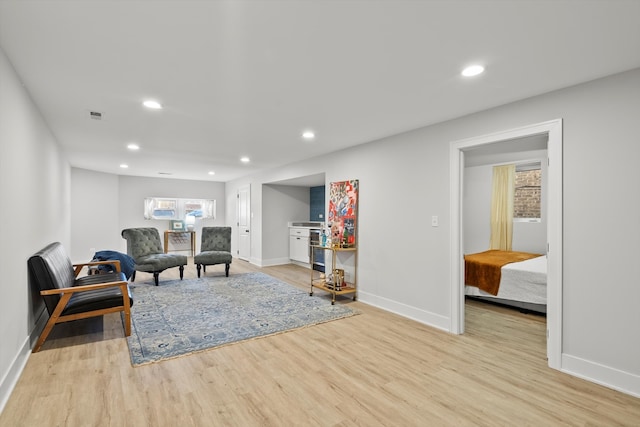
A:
(53, 318)
(126, 303)
(45, 333)
(181, 271)
(198, 268)
(226, 269)
(156, 277)
(133, 276)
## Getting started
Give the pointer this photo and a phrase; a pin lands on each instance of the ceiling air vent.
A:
(95, 115)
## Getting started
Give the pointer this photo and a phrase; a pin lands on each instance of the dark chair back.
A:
(142, 242)
(51, 268)
(216, 239)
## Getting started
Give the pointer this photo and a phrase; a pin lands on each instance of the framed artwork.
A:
(177, 225)
(343, 212)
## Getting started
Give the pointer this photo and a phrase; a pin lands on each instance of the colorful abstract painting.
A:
(343, 212)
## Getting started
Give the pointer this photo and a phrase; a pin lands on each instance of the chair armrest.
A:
(83, 288)
(78, 267)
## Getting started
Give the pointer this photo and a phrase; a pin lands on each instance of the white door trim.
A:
(554, 228)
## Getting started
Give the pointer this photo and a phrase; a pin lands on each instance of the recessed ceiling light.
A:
(244, 159)
(123, 166)
(472, 70)
(133, 147)
(155, 105)
(308, 135)
(212, 173)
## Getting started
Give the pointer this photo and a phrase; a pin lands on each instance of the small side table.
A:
(192, 236)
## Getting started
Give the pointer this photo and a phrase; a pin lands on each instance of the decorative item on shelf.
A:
(177, 225)
(190, 221)
(335, 234)
(339, 278)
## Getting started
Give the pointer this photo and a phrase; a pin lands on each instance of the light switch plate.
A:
(434, 221)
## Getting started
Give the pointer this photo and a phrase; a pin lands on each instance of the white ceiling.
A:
(245, 78)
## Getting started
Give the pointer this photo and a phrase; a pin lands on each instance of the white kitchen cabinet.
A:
(299, 244)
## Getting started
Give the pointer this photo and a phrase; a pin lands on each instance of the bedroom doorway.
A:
(553, 131)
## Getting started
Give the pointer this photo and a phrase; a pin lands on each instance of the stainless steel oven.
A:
(318, 254)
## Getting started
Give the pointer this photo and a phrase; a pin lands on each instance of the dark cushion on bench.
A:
(98, 299)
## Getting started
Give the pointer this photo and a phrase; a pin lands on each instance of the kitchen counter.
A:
(307, 224)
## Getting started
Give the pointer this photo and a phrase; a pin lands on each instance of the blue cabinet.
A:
(316, 202)
(317, 213)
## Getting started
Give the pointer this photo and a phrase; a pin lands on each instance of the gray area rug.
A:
(184, 316)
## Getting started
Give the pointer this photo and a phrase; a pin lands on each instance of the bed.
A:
(517, 279)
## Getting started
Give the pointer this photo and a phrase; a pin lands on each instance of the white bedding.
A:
(520, 281)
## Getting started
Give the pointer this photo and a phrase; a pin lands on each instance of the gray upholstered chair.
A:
(215, 248)
(145, 247)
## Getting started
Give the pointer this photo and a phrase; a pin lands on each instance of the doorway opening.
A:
(553, 132)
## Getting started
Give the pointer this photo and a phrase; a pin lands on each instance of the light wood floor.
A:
(373, 369)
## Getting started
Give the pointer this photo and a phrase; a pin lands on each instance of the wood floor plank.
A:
(373, 369)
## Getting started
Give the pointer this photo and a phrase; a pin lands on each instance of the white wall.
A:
(260, 222)
(404, 180)
(281, 204)
(116, 202)
(133, 190)
(527, 236)
(35, 195)
(476, 204)
(94, 213)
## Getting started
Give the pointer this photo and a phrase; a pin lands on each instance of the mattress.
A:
(520, 281)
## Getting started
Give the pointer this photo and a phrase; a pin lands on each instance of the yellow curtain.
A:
(502, 207)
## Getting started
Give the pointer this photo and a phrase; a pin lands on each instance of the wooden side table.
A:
(192, 236)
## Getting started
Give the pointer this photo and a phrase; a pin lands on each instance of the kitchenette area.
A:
(306, 232)
(303, 234)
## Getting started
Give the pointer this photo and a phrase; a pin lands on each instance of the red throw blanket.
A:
(483, 270)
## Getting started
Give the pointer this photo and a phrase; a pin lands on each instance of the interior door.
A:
(244, 222)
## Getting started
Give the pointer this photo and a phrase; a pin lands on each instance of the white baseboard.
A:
(301, 264)
(16, 367)
(616, 379)
(275, 261)
(430, 319)
(15, 370)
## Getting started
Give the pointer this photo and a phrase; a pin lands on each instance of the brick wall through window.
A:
(526, 202)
